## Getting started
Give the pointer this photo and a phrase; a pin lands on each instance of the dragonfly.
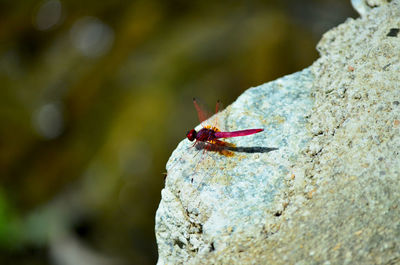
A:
(210, 136)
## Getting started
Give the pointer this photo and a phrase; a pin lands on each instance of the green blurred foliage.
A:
(95, 95)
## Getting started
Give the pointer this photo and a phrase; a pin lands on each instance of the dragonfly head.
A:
(191, 135)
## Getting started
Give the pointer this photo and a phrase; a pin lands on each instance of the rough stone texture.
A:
(208, 197)
(339, 191)
(364, 6)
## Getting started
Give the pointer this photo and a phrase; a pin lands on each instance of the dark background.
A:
(95, 95)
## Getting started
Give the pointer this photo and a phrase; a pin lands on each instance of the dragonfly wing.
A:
(224, 148)
(219, 106)
(237, 133)
(201, 111)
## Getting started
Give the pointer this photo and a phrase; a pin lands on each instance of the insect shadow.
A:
(226, 148)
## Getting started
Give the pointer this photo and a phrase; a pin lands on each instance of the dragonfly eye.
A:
(191, 135)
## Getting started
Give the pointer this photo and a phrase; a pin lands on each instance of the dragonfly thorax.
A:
(203, 135)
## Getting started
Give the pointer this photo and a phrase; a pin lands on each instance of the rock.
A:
(364, 6)
(208, 198)
(330, 193)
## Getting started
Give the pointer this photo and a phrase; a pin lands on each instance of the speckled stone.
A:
(363, 7)
(208, 198)
(330, 194)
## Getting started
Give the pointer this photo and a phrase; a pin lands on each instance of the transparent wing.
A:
(202, 113)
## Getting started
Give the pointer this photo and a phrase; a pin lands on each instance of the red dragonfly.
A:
(209, 135)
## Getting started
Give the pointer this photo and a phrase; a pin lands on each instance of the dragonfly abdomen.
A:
(236, 133)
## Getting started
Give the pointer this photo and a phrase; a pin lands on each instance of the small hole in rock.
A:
(393, 32)
(212, 247)
(179, 243)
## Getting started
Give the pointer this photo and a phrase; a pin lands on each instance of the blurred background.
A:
(95, 95)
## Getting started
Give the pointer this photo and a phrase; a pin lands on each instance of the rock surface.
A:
(330, 194)
(365, 6)
(209, 197)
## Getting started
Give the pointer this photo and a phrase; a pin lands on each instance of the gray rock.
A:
(330, 194)
(209, 197)
(364, 6)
